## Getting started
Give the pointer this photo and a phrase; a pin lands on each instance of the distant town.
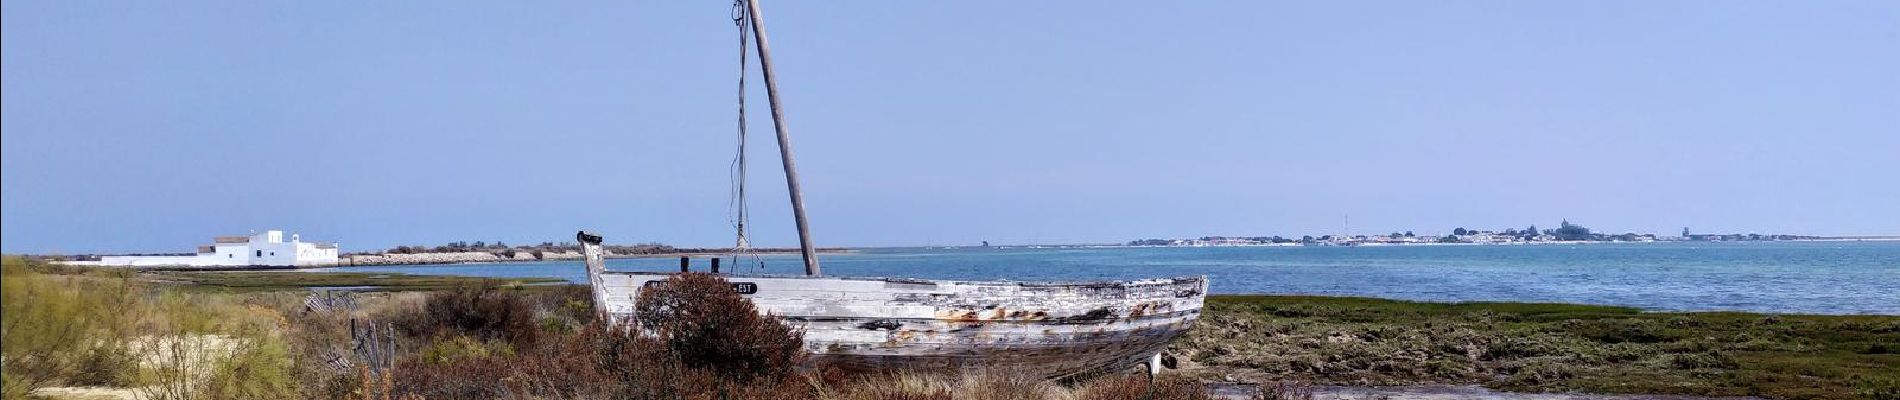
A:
(1565, 232)
(276, 248)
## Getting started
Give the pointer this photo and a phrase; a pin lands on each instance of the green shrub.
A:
(486, 312)
(113, 366)
(1710, 359)
(454, 348)
(66, 328)
(258, 366)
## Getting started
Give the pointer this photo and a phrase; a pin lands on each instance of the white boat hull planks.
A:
(1056, 330)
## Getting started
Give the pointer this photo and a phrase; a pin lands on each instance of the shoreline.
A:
(482, 257)
(1402, 244)
(549, 281)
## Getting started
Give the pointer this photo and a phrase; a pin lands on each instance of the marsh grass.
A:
(935, 385)
(1545, 347)
(266, 281)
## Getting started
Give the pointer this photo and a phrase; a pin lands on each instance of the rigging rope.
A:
(737, 205)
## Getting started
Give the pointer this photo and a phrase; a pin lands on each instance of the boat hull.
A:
(1055, 330)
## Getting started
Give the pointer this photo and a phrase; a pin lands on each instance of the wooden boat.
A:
(1056, 330)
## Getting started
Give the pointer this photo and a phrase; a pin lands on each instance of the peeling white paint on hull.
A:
(1053, 329)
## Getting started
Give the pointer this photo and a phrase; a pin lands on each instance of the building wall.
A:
(292, 253)
(275, 254)
(232, 254)
(266, 248)
(308, 254)
(156, 261)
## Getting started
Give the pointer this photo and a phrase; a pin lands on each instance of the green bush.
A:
(64, 329)
(454, 348)
(76, 326)
(1712, 359)
(257, 367)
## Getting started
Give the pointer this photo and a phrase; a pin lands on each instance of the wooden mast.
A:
(784, 139)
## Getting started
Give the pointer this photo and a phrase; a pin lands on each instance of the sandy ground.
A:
(89, 393)
(196, 352)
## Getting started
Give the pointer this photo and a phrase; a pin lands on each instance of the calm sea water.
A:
(1790, 277)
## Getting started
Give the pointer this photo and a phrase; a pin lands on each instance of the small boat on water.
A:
(1053, 329)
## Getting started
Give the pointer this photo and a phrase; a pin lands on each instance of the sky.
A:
(153, 126)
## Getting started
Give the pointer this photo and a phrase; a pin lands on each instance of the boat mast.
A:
(784, 139)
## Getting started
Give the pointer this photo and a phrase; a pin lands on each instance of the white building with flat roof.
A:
(267, 248)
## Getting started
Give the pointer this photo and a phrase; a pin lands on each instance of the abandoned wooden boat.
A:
(1056, 330)
(1053, 329)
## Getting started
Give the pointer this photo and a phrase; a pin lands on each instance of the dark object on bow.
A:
(587, 238)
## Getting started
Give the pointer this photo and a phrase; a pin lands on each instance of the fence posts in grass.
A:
(376, 347)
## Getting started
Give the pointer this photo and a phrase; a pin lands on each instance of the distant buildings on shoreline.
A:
(267, 248)
(1565, 233)
(270, 249)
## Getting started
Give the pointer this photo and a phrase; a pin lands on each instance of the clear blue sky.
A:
(151, 126)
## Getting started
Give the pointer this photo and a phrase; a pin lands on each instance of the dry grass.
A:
(269, 281)
(79, 327)
(1136, 387)
(963, 386)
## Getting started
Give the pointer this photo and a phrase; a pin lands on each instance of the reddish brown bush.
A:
(700, 340)
(595, 362)
(707, 325)
(486, 312)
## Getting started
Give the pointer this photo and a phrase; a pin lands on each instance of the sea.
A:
(1807, 277)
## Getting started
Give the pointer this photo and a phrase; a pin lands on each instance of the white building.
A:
(266, 248)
